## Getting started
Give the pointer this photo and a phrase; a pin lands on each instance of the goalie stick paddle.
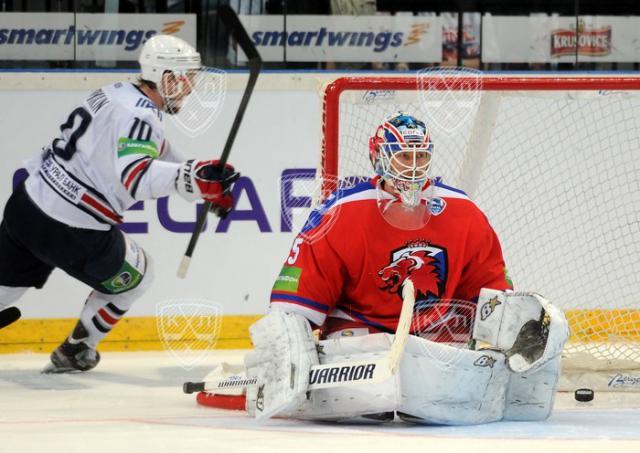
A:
(339, 374)
(9, 316)
(231, 20)
(404, 325)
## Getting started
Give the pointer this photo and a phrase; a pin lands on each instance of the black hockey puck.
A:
(584, 395)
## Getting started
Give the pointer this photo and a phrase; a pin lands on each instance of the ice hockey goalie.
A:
(478, 351)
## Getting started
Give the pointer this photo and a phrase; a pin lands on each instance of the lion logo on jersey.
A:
(427, 266)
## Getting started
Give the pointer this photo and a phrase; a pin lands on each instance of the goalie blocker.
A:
(512, 376)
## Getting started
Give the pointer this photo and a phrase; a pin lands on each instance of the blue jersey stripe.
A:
(315, 218)
(362, 318)
(301, 300)
(438, 183)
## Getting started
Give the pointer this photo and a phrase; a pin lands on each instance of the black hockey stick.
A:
(9, 316)
(231, 20)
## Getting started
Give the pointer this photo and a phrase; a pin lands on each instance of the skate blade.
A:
(53, 369)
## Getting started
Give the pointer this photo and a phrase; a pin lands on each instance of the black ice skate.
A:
(72, 357)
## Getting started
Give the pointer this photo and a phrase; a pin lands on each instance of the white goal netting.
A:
(555, 164)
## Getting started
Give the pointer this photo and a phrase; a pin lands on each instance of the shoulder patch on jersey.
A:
(288, 279)
(437, 205)
(128, 146)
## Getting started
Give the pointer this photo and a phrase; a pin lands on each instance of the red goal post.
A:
(553, 161)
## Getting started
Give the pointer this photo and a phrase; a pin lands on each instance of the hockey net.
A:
(554, 162)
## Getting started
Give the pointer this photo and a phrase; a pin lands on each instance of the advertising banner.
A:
(557, 39)
(346, 38)
(68, 36)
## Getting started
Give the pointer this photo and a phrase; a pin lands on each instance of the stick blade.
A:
(228, 402)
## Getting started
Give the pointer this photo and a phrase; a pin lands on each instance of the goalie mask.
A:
(400, 152)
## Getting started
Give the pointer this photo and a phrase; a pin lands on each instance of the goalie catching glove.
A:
(210, 181)
(526, 326)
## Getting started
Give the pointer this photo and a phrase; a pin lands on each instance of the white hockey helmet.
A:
(166, 53)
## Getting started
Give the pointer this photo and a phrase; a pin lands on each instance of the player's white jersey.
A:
(111, 152)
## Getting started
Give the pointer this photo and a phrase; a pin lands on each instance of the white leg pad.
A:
(442, 384)
(436, 384)
(530, 396)
(343, 403)
(285, 351)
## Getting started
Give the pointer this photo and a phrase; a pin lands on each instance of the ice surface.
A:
(134, 402)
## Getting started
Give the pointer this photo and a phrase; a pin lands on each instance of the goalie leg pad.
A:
(442, 384)
(349, 404)
(436, 383)
(284, 353)
(530, 395)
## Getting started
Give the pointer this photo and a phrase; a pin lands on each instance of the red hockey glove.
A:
(208, 180)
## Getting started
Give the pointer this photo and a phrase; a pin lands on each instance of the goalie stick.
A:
(230, 19)
(338, 374)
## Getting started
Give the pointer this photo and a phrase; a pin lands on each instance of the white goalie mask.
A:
(400, 152)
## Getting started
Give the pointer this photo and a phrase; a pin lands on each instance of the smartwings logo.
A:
(130, 39)
(380, 41)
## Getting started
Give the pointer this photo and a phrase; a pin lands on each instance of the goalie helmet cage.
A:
(554, 162)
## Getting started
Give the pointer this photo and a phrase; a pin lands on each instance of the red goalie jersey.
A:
(346, 268)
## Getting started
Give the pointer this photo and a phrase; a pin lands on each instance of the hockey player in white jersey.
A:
(111, 153)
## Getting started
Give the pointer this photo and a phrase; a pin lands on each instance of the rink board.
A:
(227, 332)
